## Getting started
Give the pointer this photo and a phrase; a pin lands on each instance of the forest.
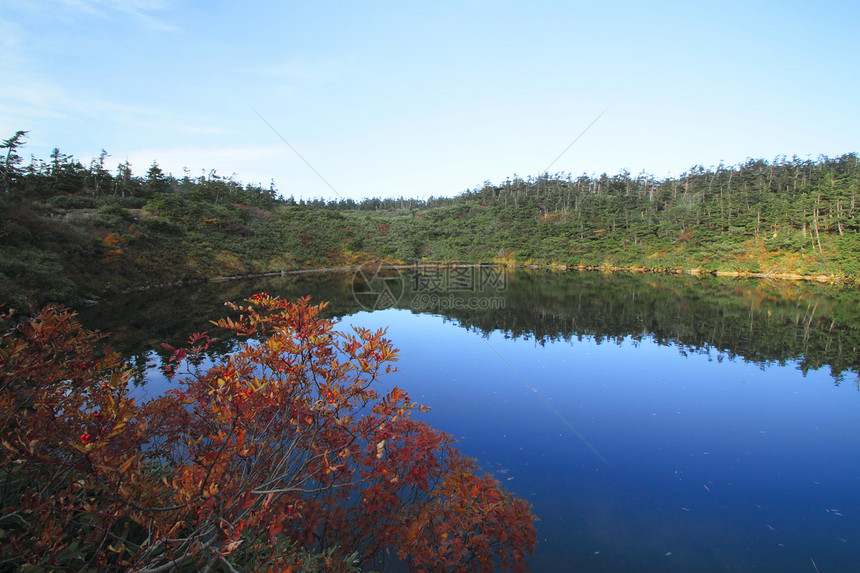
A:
(74, 231)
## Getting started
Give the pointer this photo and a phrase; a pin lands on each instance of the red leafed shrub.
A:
(281, 456)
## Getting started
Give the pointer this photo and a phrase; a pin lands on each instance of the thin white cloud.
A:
(149, 13)
(31, 99)
(87, 6)
(10, 37)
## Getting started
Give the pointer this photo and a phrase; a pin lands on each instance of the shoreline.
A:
(820, 278)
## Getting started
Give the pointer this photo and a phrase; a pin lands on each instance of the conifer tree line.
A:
(784, 216)
(63, 175)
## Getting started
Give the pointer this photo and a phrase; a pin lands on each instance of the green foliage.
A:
(789, 216)
(71, 202)
(26, 272)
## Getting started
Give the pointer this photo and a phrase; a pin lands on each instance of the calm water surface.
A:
(655, 423)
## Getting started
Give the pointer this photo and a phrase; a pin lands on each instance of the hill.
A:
(71, 232)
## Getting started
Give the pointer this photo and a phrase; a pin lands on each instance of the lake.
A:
(655, 423)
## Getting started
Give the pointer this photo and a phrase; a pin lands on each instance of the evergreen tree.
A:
(12, 159)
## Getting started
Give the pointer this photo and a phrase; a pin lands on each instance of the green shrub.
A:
(72, 202)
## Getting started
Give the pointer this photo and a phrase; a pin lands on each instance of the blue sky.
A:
(392, 98)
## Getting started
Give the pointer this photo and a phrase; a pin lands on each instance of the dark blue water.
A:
(605, 403)
(638, 458)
